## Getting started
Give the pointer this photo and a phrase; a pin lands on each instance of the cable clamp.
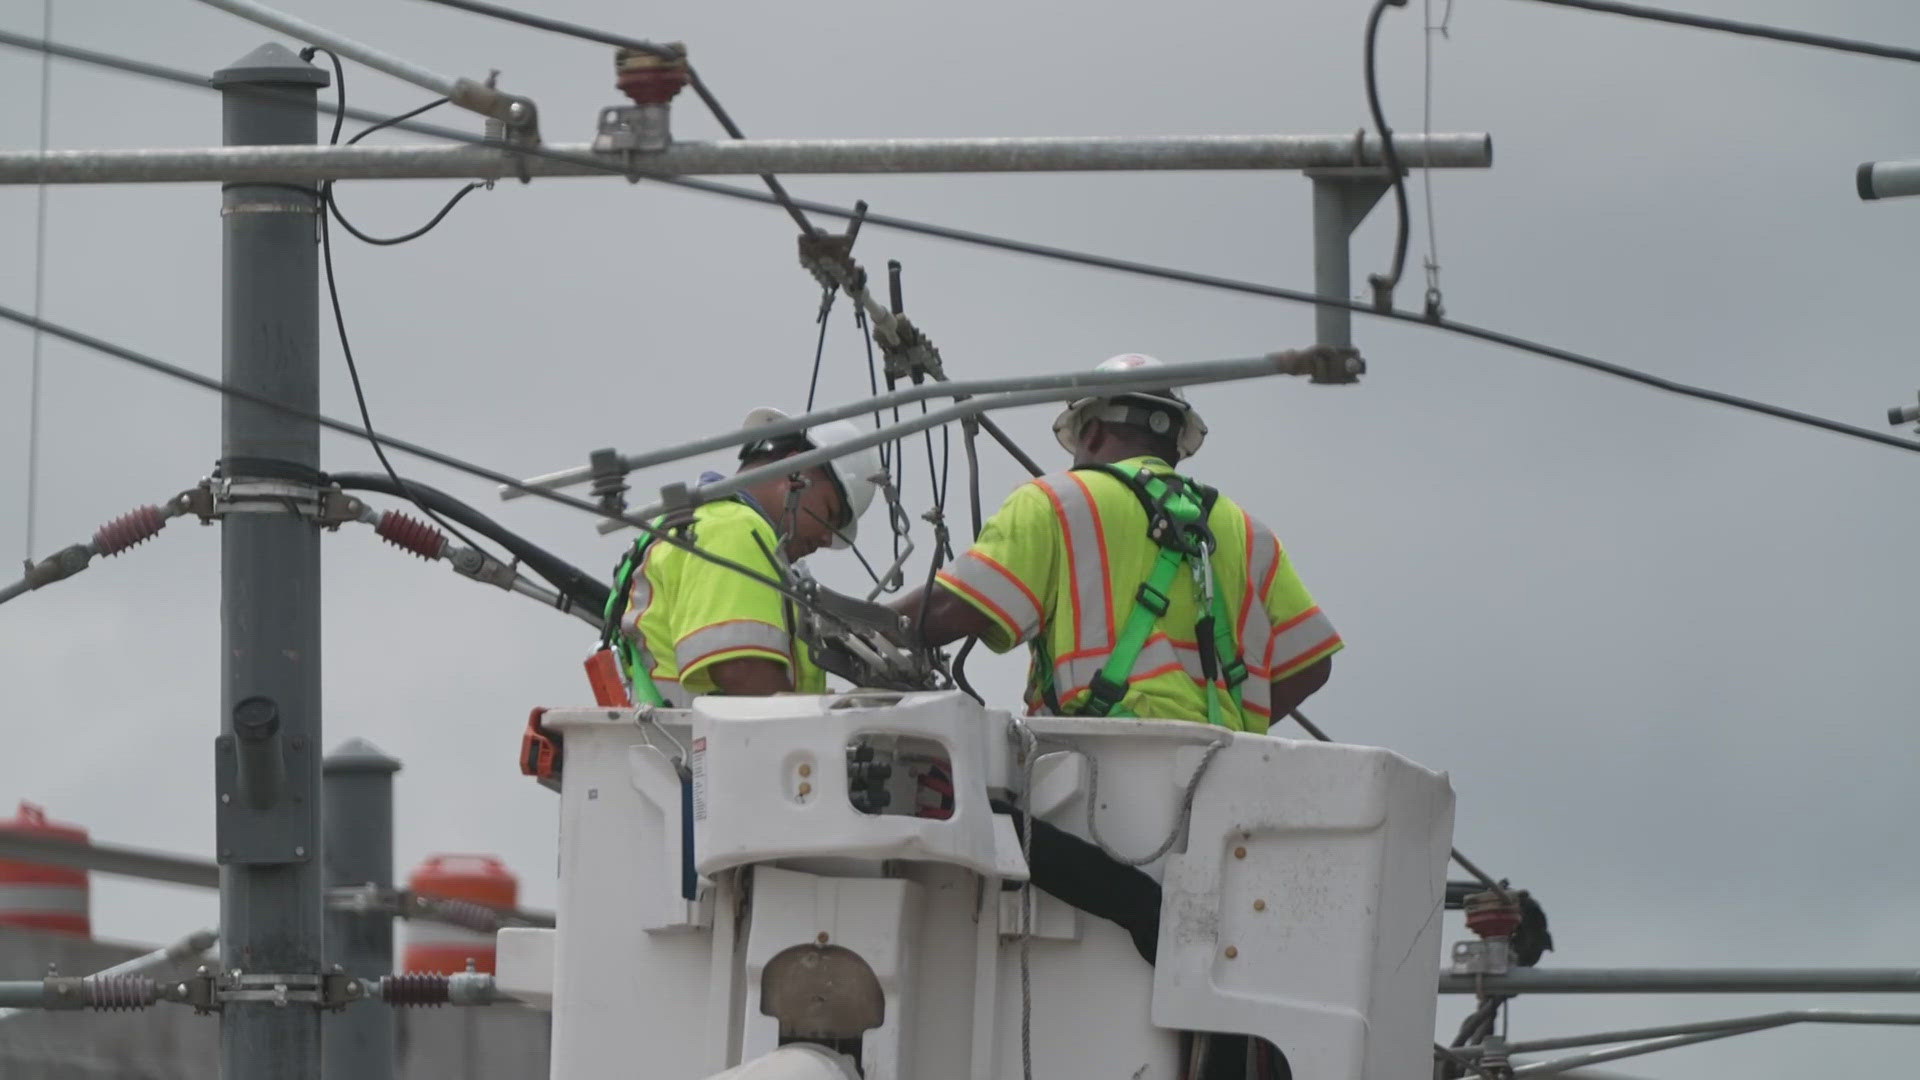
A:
(208, 991)
(217, 497)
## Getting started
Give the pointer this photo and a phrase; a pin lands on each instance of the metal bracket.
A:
(1491, 956)
(212, 499)
(207, 991)
(1342, 198)
(264, 837)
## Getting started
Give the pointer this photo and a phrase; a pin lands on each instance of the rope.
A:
(1180, 823)
(1028, 744)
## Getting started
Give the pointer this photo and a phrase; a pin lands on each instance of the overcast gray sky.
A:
(1663, 648)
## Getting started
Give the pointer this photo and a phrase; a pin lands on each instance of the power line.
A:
(339, 313)
(1383, 284)
(1744, 29)
(1107, 262)
(39, 288)
(426, 453)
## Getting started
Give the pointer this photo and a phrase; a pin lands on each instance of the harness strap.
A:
(1177, 514)
(645, 690)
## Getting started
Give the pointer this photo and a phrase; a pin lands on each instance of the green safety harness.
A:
(645, 692)
(1177, 513)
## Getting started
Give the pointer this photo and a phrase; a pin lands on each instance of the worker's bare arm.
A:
(1289, 692)
(751, 676)
(948, 618)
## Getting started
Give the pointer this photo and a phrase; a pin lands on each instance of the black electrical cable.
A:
(1384, 284)
(820, 345)
(581, 587)
(339, 314)
(333, 202)
(407, 446)
(1745, 29)
(1078, 258)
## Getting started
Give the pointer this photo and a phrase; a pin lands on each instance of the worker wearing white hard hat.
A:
(683, 626)
(1141, 592)
(1164, 412)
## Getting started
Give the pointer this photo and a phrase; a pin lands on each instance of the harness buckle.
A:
(1102, 695)
(1153, 599)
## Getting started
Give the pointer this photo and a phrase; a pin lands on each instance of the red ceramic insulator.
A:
(648, 79)
(1491, 917)
(407, 534)
(129, 529)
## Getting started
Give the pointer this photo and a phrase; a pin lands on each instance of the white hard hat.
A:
(1193, 430)
(854, 473)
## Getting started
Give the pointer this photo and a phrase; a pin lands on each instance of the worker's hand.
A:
(948, 618)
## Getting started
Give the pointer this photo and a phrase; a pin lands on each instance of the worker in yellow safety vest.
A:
(682, 626)
(1140, 592)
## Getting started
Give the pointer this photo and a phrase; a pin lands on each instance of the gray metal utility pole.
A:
(267, 763)
(357, 780)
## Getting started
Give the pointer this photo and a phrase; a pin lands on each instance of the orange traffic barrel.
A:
(444, 947)
(36, 897)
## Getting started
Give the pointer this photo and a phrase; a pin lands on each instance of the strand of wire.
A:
(1465, 863)
(1743, 29)
(1384, 284)
(333, 202)
(1029, 746)
(340, 317)
(1433, 299)
(407, 446)
(1078, 258)
(34, 369)
(820, 345)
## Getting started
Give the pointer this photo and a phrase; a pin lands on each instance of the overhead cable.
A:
(392, 442)
(325, 199)
(1744, 29)
(1384, 284)
(1107, 262)
(39, 290)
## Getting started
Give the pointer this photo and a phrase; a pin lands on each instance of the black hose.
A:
(574, 583)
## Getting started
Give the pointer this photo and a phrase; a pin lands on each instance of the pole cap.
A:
(270, 63)
(358, 756)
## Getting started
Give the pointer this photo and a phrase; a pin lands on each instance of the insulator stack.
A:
(407, 534)
(464, 913)
(129, 529)
(1492, 916)
(414, 989)
(110, 993)
(649, 79)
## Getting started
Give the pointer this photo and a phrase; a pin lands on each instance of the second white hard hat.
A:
(1067, 427)
(854, 472)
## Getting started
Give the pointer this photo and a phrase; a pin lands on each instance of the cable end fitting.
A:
(516, 113)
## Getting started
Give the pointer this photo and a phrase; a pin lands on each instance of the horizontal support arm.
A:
(312, 164)
(1071, 384)
(108, 859)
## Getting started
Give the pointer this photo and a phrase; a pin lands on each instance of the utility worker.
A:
(683, 626)
(1141, 593)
